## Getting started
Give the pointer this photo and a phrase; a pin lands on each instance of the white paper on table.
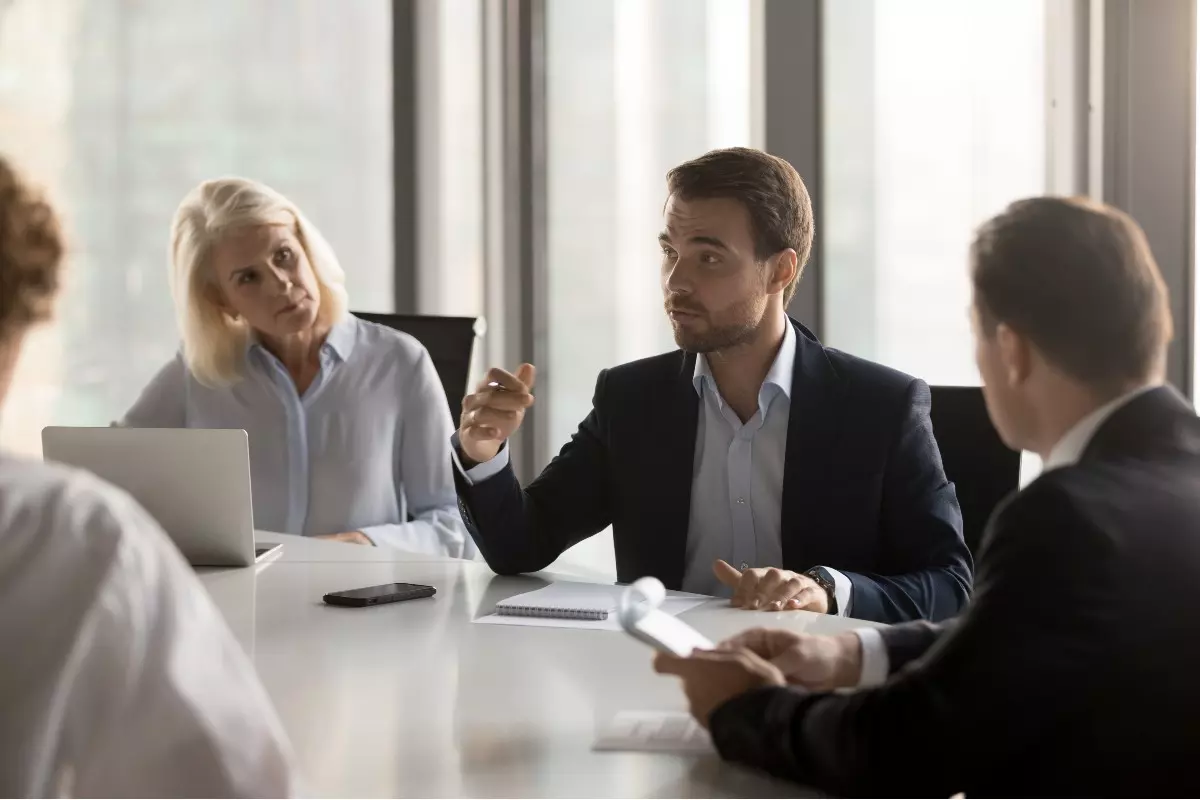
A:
(641, 614)
(609, 624)
(654, 731)
(589, 595)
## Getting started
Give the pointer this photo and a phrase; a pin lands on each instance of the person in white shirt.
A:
(119, 677)
(347, 420)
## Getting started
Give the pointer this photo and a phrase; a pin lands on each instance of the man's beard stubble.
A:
(719, 337)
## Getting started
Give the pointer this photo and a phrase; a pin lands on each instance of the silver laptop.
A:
(195, 483)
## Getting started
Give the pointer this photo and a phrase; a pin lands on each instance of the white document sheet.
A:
(570, 594)
(609, 624)
(640, 614)
(654, 731)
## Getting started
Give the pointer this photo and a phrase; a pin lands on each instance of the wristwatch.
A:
(825, 581)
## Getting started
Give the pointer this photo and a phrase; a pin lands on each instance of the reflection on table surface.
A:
(412, 699)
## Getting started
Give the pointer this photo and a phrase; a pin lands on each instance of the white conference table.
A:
(413, 699)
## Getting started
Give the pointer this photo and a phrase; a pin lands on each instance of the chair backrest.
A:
(984, 471)
(451, 345)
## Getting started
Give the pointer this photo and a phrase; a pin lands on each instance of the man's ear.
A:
(1016, 355)
(783, 268)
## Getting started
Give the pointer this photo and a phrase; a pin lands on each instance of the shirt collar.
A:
(342, 336)
(339, 341)
(780, 373)
(1070, 447)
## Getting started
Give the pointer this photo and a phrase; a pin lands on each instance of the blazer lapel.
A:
(813, 426)
(672, 469)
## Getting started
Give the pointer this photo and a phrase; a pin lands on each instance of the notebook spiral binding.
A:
(592, 614)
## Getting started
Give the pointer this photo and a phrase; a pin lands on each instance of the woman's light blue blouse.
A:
(366, 446)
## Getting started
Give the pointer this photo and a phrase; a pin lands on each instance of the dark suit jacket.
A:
(1076, 669)
(863, 487)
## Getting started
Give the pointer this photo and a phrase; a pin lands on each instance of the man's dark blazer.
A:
(863, 486)
(1074, 672)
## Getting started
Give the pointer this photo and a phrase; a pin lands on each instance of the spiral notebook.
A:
(564, 601)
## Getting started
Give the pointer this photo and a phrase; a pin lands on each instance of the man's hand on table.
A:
(771, 589)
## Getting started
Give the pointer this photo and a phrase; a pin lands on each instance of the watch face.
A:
(825, 582)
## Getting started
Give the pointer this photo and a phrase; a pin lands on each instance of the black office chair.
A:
(451, 345)
(984, 471)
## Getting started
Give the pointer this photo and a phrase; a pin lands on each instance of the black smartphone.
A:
(375, 595)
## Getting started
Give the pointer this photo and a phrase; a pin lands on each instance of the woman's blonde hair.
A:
(214, 343)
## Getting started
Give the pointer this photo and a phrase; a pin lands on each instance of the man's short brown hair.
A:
(30, 251)
(771, 191)
(1078, 279)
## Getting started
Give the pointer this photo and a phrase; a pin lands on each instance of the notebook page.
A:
(606, 595)
(568, 595)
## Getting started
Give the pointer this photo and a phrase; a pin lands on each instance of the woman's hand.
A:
(350, 537)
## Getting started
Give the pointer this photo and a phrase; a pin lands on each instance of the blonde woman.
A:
(347, 420)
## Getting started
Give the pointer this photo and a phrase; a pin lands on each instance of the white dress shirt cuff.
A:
(875, 662)
(841, 590)
(480, 472)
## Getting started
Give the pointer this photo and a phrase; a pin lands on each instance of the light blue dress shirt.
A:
(363, 448)
(737, 479)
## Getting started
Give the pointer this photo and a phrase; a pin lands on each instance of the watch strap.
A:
(825, 580)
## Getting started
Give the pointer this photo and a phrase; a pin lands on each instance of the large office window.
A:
(450, 170)
(934, 119)
(119, 107)
(1196, 243)
(634, 87)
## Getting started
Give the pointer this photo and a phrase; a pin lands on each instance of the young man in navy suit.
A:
(753, 462)
(1073, 671)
